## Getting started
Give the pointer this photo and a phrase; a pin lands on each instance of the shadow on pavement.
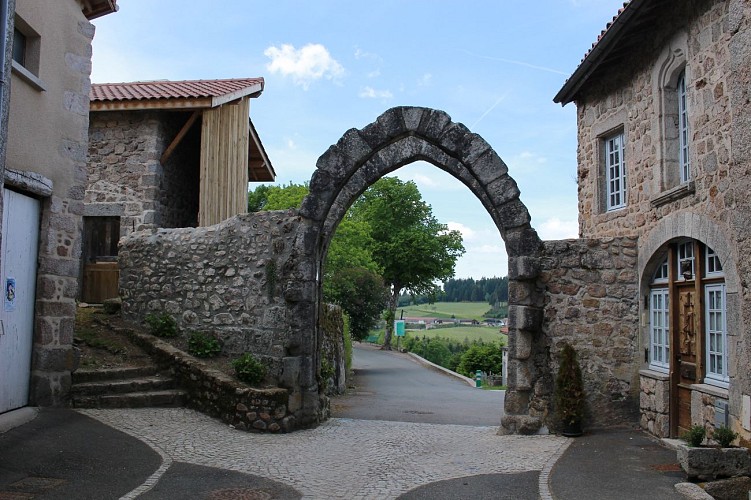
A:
(521, 486)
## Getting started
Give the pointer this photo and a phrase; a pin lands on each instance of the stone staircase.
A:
(129, 387)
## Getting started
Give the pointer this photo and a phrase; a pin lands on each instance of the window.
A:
(615, 172)
(659, 329)
(712, 264)
(683, 157)
(661, 273)
(716, 335)
(19, 47)
(686, 260)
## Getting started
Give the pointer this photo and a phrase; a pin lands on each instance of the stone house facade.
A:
(47, 62)
(165, 154)
(663, 120)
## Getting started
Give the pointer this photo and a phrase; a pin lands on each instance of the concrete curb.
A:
(424, 361)
(15, 418)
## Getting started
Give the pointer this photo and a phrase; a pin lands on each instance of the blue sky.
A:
(331, 65)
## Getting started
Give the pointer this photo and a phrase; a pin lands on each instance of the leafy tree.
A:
(285, 197)
(487, 358)
(410, 246)
(362, 295)
(258, 197)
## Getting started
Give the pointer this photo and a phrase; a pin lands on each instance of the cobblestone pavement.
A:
(330, 461)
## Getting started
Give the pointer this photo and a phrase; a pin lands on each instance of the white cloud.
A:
(527, 162)
(374, 74)
(467, 232)
(291, 144)
(371, 93)
(557, 229)
(311, 62)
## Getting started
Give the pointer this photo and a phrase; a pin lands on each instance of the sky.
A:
(333, 65)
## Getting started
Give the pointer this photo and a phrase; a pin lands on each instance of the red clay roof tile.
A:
(165, 89)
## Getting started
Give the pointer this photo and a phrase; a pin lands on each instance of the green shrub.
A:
(347, 345)
(249, 369)
(487, 358)
(695, 435)
(203, 345)
(569, 389)
(724, 436)
(162, 325)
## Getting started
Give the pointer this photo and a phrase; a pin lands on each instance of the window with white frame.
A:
(615, 172)
(661, 273)
(659, 329)
(712, 264)
(716, 335)
(686, 260)
(683, 156)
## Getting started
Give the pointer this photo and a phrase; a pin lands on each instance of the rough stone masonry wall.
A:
(222, 279)
(126, 177)
(61, 227)
(592, 303)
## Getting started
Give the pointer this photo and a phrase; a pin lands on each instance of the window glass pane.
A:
(615, 172)
(19, 47)
(685, 168)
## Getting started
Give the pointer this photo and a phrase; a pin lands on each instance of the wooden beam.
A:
(141, 104)
(179, 137)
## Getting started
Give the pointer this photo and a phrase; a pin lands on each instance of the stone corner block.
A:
(525, 318)
(523, 268)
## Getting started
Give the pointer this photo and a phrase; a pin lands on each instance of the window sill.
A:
(29, 77)
(673, 194)
(712, 390)
(654, 374)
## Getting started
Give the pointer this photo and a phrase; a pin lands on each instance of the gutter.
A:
(592, 60)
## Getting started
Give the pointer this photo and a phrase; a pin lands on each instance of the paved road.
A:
(393, 386)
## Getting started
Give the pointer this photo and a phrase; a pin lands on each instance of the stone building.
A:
(46, 49)
(165, 154)
(663, 119)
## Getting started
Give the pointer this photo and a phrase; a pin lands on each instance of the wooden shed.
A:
(231, 152)
(165, 154)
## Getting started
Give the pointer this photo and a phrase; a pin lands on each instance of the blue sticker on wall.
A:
(10, 294)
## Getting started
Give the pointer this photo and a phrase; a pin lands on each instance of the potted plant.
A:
(704, 462)
(569, 393)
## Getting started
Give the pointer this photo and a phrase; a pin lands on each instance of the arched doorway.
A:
(398, 137)
(690, 288)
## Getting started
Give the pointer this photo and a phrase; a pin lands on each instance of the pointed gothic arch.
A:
(398, 137)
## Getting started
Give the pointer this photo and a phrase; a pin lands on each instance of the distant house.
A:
(44, 106)
(165, 154)
(664, 155)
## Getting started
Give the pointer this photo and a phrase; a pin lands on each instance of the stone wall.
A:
(126, 177)
(222, 279)
(713, 41)
(333, 368)
(654, 403)
(592, 303)
(219, 395)
(629, 97)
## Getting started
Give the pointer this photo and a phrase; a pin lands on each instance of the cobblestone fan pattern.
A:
(592, 304)
(328, 462)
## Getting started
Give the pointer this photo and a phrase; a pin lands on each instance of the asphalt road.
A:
(389, 385)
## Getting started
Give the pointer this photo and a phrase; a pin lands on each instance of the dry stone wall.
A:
(223, 279)
(592, 303)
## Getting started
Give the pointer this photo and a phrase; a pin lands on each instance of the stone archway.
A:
(398, 137)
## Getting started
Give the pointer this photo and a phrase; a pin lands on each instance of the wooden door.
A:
(18, 270)
(687, 341)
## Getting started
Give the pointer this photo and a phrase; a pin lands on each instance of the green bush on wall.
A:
(248, 369)
(162, 325)
(203, 345)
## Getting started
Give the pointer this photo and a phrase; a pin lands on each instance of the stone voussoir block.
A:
(525, 317)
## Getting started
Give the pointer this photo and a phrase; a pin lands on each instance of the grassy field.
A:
(457, 334)
(461, 310)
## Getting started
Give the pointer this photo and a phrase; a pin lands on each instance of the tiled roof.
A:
(165, 89)
(596, 53)
(607, 27)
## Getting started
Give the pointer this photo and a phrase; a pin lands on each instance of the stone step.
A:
(165, 398)
(95, 375)
(141, 384)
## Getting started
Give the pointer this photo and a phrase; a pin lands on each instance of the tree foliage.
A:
(362, 295)
(487, 358)
(411, 247)
(389, 233)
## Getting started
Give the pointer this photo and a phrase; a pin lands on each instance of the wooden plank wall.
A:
(224, 162)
